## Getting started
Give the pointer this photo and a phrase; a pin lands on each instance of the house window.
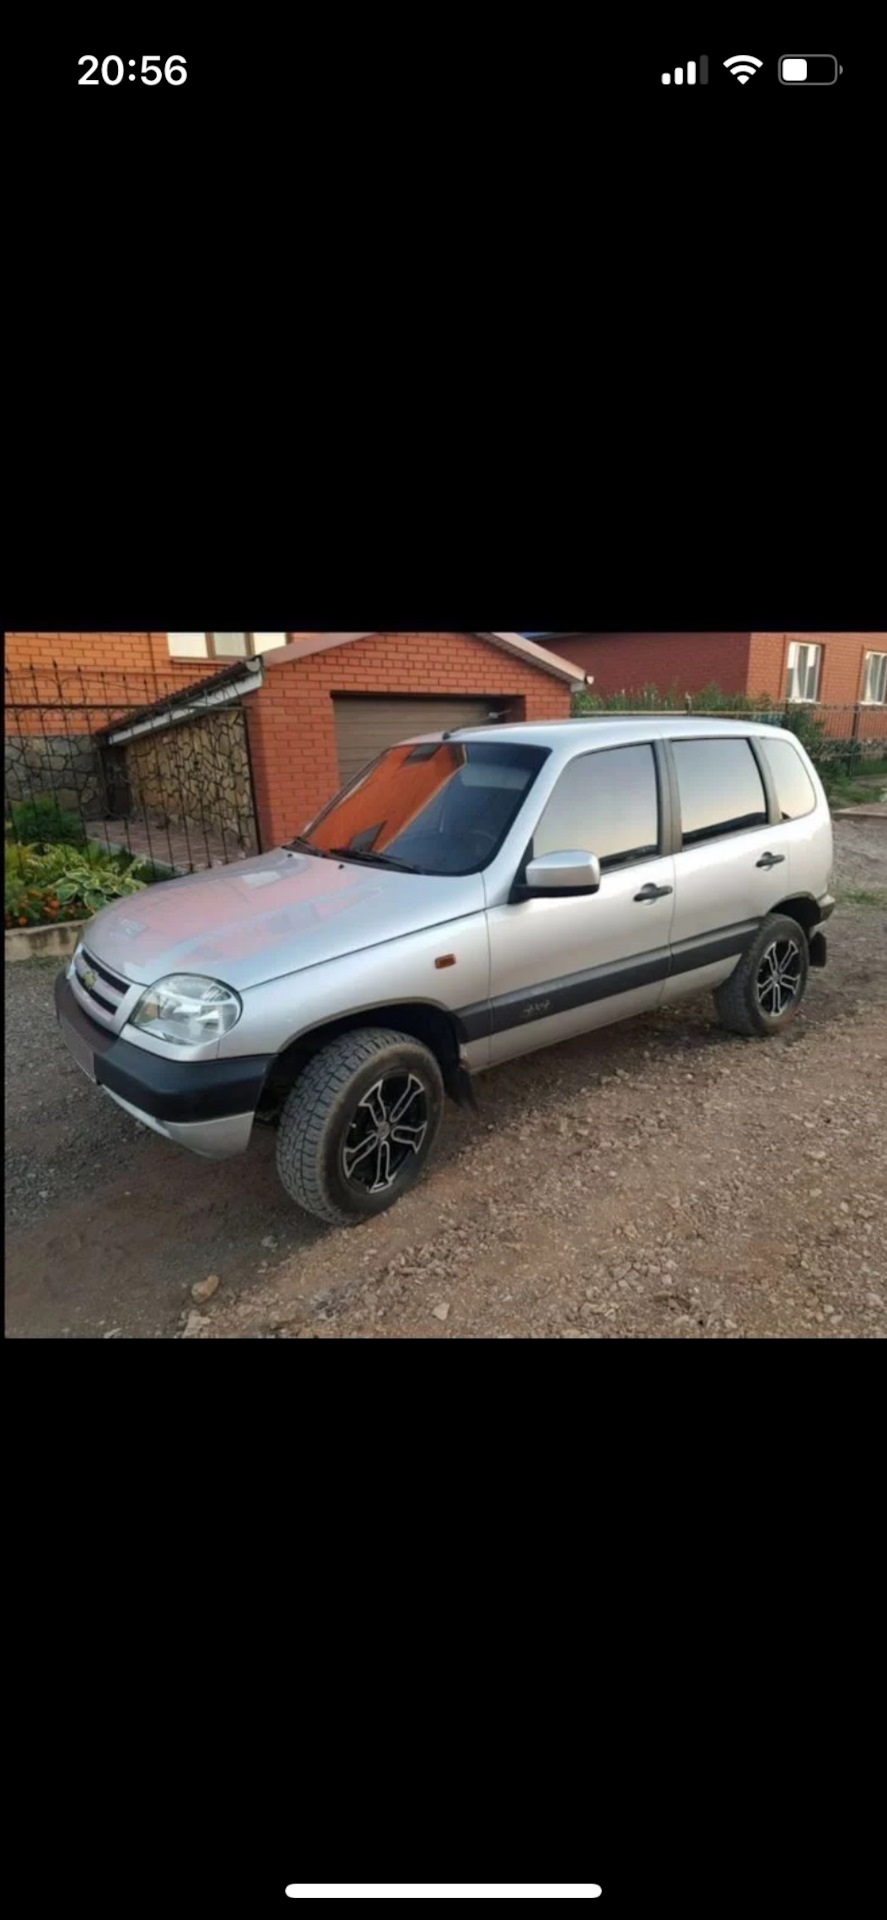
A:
(229, 646)
(187, 646)
(874, 679)
(222, 646)
(804, 670)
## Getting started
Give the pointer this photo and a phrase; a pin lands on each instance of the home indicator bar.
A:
(678, 75)
(485, 1891)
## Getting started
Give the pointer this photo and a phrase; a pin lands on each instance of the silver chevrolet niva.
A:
(469, 897)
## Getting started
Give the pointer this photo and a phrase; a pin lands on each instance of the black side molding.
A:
(551, 997)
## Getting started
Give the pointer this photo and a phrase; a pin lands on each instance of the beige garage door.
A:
(365, 728)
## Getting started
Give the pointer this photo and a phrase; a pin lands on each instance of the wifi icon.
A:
(743, 65)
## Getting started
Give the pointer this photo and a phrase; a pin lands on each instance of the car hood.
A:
(261, 918)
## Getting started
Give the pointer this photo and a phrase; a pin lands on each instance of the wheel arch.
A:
(802, 907)
(423, 1020)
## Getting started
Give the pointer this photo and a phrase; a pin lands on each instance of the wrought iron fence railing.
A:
(126, 761)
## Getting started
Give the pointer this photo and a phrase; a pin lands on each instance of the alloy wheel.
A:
(778, 979)
(387, 1131)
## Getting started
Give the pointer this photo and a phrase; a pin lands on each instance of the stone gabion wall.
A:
(69, 769)
(195, 775)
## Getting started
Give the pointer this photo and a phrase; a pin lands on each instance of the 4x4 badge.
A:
(534, 1009)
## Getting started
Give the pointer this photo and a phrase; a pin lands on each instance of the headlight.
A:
(188, 1010)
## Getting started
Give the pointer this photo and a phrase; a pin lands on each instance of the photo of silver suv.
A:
(470, 897)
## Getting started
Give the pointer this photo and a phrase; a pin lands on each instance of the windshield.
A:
(443, 806)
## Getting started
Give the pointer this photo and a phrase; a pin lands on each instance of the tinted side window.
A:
(794, 789)
(605, 803)
(720, 787)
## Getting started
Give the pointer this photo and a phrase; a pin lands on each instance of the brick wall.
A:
(122, 652)
(69, 683)
(292, 723)
(689, 661)
(842, 656)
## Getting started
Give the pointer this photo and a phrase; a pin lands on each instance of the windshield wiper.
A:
(375, 859)
(289, 846)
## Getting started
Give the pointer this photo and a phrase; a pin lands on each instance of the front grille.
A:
(99, 990)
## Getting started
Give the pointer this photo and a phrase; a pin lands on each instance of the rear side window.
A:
(605, 803)
(794, 789)
(720, 788)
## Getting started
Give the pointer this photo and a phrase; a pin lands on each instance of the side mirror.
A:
(562, 873)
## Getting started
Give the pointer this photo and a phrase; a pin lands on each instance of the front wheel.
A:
(765, 990)
(359, 1124)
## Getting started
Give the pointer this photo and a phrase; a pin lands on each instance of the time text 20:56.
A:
(148, 69)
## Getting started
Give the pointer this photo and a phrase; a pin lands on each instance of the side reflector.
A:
(445, 960)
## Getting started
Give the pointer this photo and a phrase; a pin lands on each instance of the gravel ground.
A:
(656, 1179)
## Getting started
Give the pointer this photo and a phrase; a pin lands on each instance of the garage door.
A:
(364, 728)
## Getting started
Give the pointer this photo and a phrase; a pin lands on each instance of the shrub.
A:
(64, 883)
(42, 822)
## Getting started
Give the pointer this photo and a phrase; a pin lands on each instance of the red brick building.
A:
(829, 669)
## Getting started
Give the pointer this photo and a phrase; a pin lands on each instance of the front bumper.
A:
(206, 1105)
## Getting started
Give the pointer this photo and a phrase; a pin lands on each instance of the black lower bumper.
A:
(175, 1090)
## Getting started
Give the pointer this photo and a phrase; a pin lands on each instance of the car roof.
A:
(609, 730)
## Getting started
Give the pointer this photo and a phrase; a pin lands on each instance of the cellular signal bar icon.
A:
(691, 73)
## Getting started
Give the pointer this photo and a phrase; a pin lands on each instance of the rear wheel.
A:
(359, 1124)
(765, 990)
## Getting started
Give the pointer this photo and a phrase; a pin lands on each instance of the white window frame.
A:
(874, 670)
(798, 650)
(256, 643)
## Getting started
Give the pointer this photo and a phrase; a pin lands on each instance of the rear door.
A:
(731, 867)
(561, 966)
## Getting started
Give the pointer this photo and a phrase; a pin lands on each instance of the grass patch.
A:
(850, 793)
(862, 897)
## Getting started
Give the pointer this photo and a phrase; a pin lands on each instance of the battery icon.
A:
(808, 69)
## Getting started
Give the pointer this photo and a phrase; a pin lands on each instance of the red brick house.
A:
(828, 669)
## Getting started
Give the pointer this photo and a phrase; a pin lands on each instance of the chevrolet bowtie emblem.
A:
(89, 979)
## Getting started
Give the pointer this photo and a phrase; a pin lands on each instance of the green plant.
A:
(65, 883)
(94, 880)
(675, 699)
(42, 822)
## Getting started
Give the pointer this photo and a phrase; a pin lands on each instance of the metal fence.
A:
(129, 763)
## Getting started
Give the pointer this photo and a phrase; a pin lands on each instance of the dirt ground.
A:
(656, 1179)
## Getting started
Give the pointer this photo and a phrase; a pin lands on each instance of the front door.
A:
(563, 965)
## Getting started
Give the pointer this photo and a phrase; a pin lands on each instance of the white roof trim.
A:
(173, 716)
(538, 656)
(513, 643)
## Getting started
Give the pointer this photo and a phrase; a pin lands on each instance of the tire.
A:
(750, 1002)
(332, 1142)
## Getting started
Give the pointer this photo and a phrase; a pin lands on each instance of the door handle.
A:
(770, 860)
(650, 892)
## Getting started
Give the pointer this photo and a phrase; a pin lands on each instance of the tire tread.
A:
(307, 1111)
(734, 998)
